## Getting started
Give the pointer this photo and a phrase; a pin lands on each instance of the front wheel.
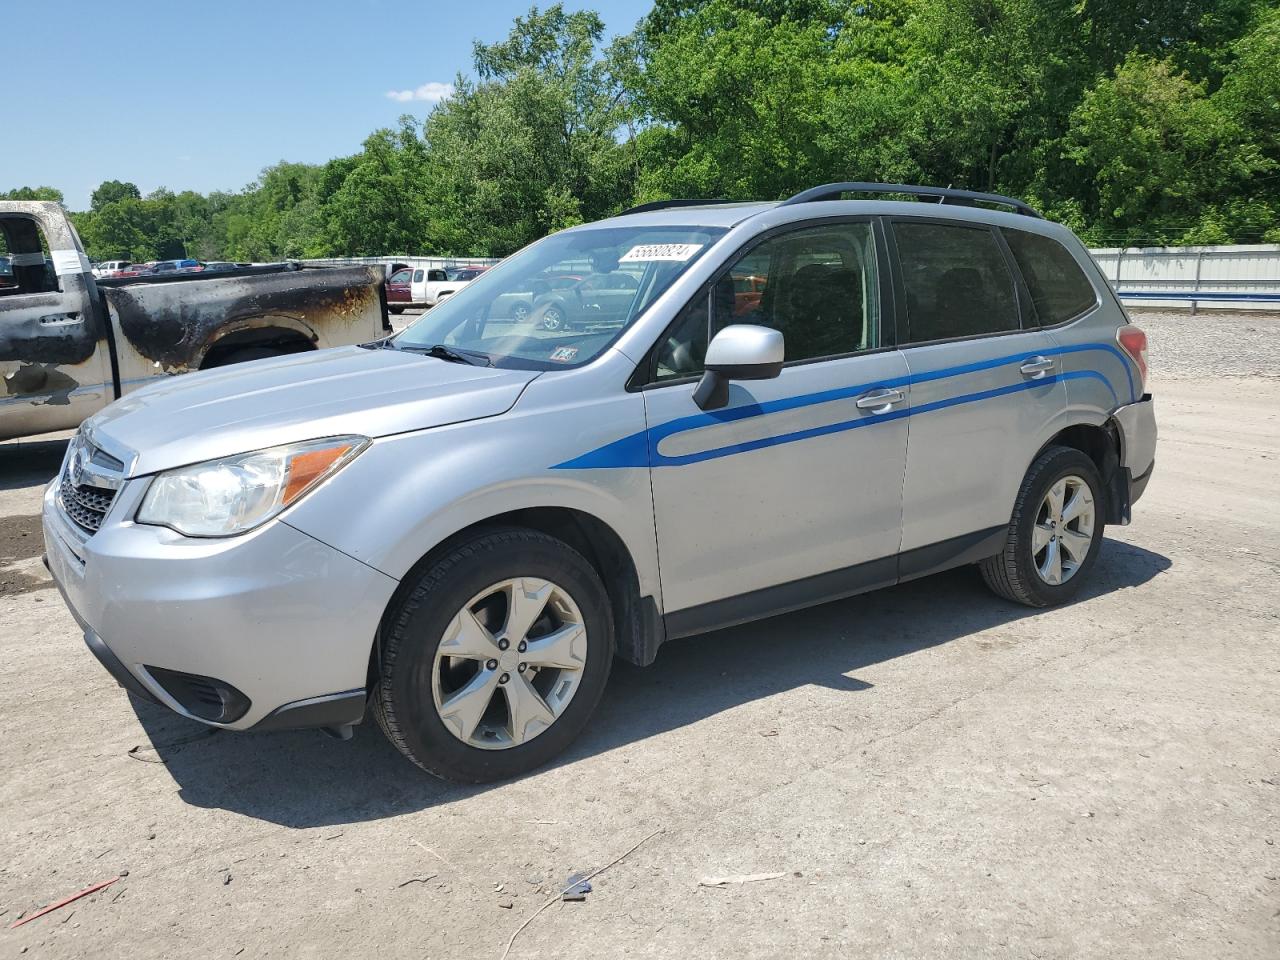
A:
(553, 318)
(1055, 532)
(493, 661)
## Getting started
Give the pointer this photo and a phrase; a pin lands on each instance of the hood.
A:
(248, 406)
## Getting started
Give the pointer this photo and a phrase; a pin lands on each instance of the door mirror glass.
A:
(741, 351)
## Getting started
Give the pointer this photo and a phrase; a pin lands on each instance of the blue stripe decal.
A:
(641, 449)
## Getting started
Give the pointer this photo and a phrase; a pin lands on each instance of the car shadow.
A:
(305, 779)
(28, 463)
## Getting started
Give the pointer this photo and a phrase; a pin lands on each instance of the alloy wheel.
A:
(510, 662)
(1063, 531)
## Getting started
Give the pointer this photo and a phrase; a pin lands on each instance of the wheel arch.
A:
(1100, 442)
(291, 335)
(637, 622)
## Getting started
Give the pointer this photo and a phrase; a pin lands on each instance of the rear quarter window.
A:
(1059, 289)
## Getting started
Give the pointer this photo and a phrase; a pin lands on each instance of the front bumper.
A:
(275, 616)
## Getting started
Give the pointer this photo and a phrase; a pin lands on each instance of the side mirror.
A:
(742, 351)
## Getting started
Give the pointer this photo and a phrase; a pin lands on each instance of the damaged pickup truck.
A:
(70, 344)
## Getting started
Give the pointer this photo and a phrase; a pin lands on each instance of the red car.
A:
(399, 290)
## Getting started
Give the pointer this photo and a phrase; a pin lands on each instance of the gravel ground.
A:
(1211, 344)
(928, 771)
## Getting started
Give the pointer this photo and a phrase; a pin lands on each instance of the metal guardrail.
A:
(1246, 277)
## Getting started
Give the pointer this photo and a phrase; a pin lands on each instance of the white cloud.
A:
(432, 92)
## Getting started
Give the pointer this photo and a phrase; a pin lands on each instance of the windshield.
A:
(561, 301)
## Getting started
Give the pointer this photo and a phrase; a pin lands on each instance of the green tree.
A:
(531, 146)
(33, 193)
(109, 191)
(1157, 156)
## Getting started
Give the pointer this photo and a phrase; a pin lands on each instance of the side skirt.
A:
(835, 585)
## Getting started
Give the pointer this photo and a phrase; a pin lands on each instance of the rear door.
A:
(792, 493)
(985, 393)
(54, 360)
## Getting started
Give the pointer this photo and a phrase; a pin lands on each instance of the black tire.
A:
(1012, 573)
(396, 310)
(415, 625)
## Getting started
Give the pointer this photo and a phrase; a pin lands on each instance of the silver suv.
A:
(457, 528)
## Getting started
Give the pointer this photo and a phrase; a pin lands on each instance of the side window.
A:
(400, 276)
(417, 276)
(817, 285)
(25, 266)
(1059, 288)
(956, 280)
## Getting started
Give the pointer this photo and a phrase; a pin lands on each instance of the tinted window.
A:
(817, 285)
(417, 276)
(956, 280)
(1059, 288)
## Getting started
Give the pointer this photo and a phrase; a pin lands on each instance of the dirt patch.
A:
(21, 542)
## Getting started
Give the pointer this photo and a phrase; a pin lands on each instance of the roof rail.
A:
(832, 191)
(664, 204)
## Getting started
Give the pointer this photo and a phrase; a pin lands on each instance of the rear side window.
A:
(417, 276)
(956, 281)
(1059, 288)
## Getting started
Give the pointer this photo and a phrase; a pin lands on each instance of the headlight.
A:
(224, 497)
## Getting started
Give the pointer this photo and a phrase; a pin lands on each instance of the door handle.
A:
(880, 401)
(1038, 367)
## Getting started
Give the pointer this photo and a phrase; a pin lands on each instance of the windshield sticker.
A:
(679, 252)
(564, 354)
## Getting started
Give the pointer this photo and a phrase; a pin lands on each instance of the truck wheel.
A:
(1055, 532)
(395, 309)
(494, 656)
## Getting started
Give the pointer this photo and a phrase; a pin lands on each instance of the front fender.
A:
(408, 493)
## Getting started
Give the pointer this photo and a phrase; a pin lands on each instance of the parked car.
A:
(458, 528)
(400, 290)
(71, 343)
(109, 267)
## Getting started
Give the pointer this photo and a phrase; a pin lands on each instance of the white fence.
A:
(1223, 278)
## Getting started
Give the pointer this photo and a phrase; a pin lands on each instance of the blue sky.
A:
(203, 95)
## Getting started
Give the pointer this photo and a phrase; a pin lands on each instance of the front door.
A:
(54, 368)
(791, 493)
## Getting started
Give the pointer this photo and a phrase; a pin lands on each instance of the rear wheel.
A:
(1055, 532)
(495, 658)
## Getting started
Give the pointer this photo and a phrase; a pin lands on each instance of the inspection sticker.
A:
(679, 252)
(564, 354)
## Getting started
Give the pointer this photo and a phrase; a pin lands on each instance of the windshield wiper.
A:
(441, 352)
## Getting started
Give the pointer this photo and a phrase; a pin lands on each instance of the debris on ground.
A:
(430, 876)
(576, 889)
(594, 873)
(739, 878)
(63, 902)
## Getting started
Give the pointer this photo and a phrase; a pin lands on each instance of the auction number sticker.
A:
(679, 252)
(564, 354)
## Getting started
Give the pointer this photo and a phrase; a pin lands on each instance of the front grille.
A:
(90, 478)
(84, 504)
